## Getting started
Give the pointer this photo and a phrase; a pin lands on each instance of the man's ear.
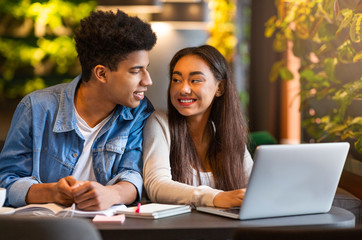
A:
(221, 88)
(99, 72)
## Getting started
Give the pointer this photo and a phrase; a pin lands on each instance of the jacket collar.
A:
(66, 120)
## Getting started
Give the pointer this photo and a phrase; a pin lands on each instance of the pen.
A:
(138, 207)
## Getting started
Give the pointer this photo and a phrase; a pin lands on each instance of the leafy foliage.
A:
(230, 38)
(326, 36)
(222, 30)
(36, 44)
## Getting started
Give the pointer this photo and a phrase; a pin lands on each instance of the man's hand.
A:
(63, 191)
(230, 198)
(88, 195)
(59, 192)
(93, 196)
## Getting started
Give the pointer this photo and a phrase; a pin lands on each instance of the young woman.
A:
(197, 154)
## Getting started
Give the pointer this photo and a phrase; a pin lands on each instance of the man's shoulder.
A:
(145, 108)
(46, 93)
(54, 91)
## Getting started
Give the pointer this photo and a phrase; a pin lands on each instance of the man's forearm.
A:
(126, 192)
(40, 193)
(59, 192)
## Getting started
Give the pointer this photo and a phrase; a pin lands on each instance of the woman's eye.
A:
(176, 80)
(196, 80)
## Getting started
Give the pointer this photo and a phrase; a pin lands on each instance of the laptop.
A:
(289, 180)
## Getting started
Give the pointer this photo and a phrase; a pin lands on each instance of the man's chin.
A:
(132, 105)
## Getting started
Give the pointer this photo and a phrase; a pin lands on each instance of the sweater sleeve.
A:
(157, 171)
(248, 166)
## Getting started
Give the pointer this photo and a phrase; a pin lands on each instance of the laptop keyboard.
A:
(235, 210)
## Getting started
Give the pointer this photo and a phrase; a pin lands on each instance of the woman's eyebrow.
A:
(197, 73)
(191, 74)
(177, 73)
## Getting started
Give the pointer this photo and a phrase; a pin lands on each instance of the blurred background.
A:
(296, 63)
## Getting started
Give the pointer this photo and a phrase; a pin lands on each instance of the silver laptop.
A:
(290, 180)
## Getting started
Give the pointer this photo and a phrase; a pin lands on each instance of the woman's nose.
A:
(186, 89)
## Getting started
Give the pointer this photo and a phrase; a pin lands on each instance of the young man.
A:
(81, 142)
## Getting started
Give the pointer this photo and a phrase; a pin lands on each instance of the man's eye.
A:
(176, 80)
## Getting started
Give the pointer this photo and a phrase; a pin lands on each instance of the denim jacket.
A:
(44, 143)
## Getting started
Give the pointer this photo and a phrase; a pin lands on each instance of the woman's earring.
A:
(218, 94)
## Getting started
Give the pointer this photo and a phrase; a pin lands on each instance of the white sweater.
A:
(157, 171)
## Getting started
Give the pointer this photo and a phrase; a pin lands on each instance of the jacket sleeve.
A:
(157, 171)
(130, 167)
(16, 158)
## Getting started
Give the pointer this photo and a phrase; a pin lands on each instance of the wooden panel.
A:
(352, 183)
(264, 106)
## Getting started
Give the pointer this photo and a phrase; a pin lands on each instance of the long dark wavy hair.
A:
(227, 147)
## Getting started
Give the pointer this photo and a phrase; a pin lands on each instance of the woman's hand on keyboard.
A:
(229, 199)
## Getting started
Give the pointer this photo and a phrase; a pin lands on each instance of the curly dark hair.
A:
(107, 38)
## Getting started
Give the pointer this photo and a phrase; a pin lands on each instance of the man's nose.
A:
(146, 80)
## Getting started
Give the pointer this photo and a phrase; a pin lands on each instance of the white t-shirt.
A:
(207, 179)
(83, 170)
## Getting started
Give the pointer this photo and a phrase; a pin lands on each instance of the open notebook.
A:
(61, 211)
(290, 180)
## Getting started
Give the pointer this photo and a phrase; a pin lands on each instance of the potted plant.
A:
(326, 37)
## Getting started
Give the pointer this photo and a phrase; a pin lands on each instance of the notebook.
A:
(53, 209)
(290, 180)
(155, 211)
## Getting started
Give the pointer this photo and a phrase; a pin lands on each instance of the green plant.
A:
(36, 44)
(222, 28)
(326, 37)
(226, 35)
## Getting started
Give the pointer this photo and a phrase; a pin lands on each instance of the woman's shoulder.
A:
(156, 127)
(159, 116)
(157, 119)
